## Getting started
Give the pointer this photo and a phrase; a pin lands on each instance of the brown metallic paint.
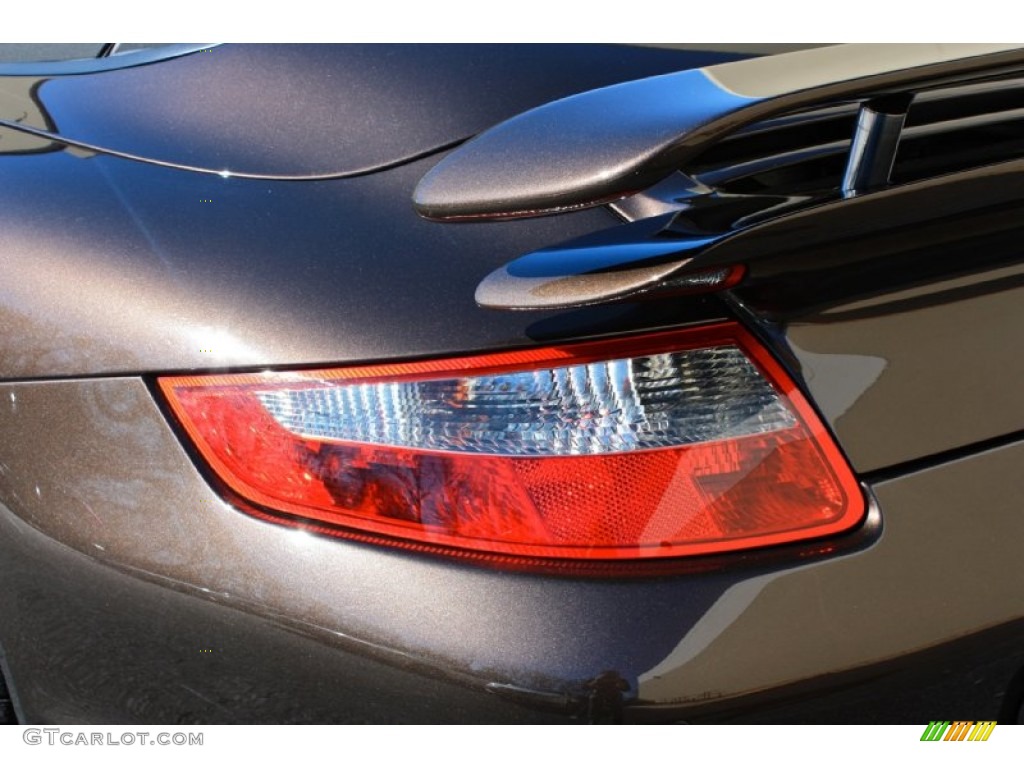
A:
(91, 467)
(120, 562)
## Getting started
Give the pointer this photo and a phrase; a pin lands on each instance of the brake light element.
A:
(680, 443)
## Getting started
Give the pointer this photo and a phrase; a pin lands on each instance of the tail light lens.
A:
(681, 443)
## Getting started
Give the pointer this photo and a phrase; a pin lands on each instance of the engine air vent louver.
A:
(964, 127)
(947, 129)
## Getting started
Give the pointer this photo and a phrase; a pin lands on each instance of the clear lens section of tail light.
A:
(681, 443)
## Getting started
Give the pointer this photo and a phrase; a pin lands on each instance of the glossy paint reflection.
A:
(920, 312)
(312, 110)
(133, 515)
(116, 266)
(128, 487)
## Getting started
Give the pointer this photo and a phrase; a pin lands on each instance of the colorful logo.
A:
(959, 730)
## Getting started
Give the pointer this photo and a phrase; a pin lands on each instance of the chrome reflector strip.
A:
(655, 401)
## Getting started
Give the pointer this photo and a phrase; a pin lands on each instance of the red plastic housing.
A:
(721, 495)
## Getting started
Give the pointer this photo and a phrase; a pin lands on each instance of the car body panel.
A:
(312, 110)
(677, 641)
(136, 592)
(117, 266)
(921, 311)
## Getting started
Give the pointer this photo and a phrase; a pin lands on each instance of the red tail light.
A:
(680, 443)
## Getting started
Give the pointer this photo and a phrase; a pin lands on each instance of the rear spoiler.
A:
(606, 144)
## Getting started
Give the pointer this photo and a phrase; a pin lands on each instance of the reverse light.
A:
(679, 443)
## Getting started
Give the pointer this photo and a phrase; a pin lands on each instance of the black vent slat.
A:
(718, 176)
(947, 129)
(943, 104)
(954, 129)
